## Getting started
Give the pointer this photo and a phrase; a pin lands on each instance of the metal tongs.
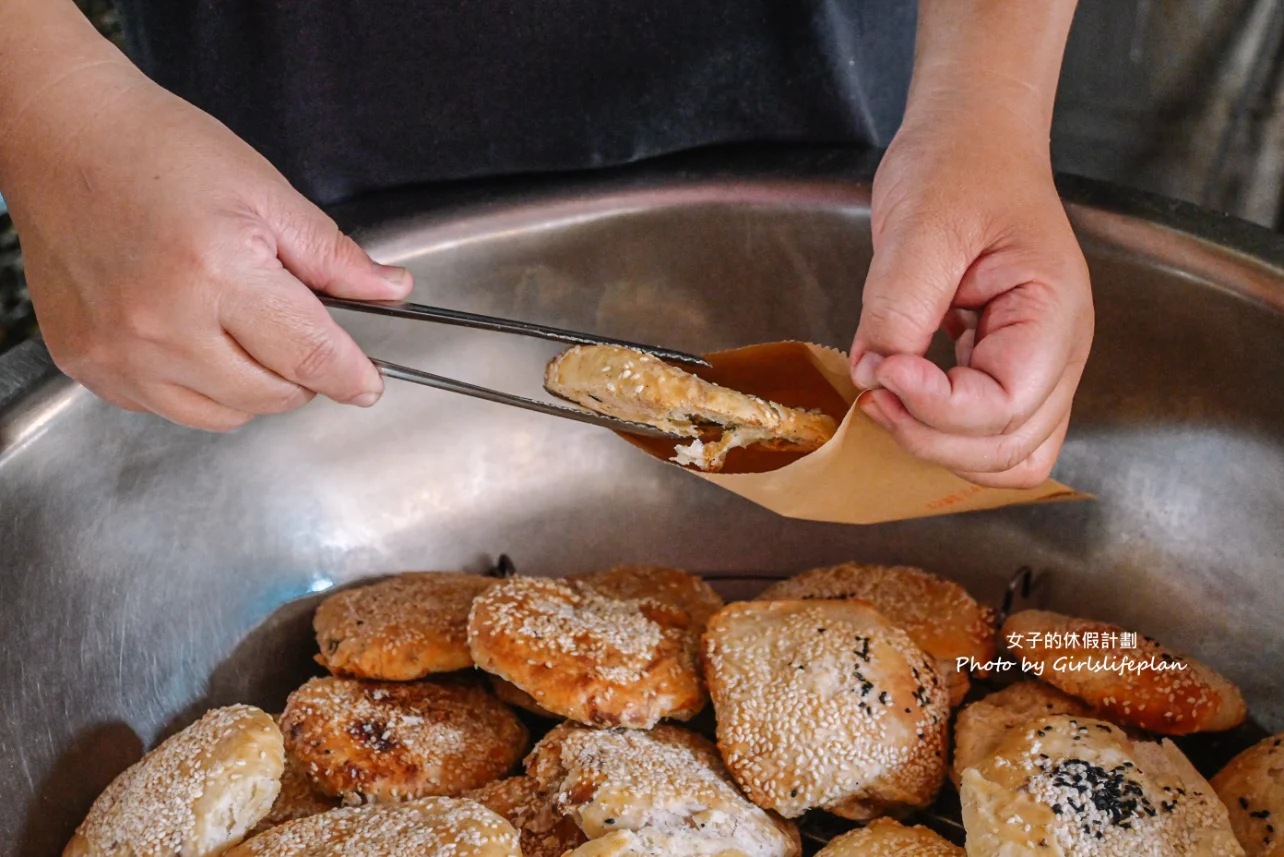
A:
(419, 312)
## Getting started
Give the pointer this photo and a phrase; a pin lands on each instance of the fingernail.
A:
(399, 277)
(863, 373)
(365, 400)
(874, 411)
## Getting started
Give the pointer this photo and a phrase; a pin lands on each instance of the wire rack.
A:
(818, 828)
(1208, 752)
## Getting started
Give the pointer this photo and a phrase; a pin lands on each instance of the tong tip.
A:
(676, 357)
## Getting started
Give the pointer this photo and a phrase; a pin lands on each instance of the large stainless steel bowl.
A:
(147, 571)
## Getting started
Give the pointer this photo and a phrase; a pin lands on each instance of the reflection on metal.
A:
(143, 566)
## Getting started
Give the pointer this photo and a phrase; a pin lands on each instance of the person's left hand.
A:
(970, 235)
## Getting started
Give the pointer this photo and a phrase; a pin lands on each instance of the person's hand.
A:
(171, 266)
(969, 234)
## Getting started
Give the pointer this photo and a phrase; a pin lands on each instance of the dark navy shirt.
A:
(348, 96)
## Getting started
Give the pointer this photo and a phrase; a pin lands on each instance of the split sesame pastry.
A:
(1161, 698)
(669, 780)
(197, 794)
(886, 838)
(586, 656)
(400, 629)
(511, 694)
(938, 614)
(1252, 787)
(630, 385)
(1064, 786)
(668, 585)
(390, 741)
(981, 727)
(826, 704)
(529, 808)
(429, 827)
(298, 798)
(653, 843)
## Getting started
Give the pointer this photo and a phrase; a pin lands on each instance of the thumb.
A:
(911, 283)
(313, 249)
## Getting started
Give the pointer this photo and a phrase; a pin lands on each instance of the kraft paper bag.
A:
(860, 476)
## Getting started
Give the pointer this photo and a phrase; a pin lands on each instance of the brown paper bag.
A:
(861, 476)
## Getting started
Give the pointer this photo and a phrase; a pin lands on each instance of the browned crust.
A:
(1252, 788)
(160, 805)
(428, 826)
(1168, 702)
(529, 808)
(634, 386)
(981, 727)
(650, 842)
(594, 659)
(511, 694)
(1081, 786)
(297, 799)
(671, 586)
(400, 629)
(388, 741)
(668, 778)
(884, 837)
(826, 704)
(941, 616)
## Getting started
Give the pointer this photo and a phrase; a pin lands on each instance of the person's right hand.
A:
(172, 267)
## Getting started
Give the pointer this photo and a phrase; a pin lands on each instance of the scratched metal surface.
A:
(147, 571)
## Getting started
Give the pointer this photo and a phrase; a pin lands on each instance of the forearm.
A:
(1000, 59)
(54, 67)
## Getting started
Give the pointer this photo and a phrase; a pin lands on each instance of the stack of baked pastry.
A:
(835, 692)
